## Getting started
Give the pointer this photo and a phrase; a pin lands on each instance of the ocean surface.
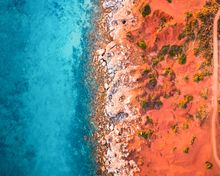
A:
(44, 97)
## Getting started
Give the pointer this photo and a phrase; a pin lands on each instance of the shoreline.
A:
(101, 118)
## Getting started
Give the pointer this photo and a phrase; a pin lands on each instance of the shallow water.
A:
(44, 99)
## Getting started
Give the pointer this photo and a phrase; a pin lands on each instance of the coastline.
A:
(103, 122)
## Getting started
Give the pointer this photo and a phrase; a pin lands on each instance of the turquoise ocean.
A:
(44, 94)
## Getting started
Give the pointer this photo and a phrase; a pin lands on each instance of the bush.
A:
(155, 61)
(201, 114)
(144, 105)
(152, 82)
(158, 104)
(142, 44)
(146, 134)
(163, 51)
(169, 72)
(175, 128)
(182, 59)
(149, 120)
(198, 77)
(186, 100)
(146, 10)
(175, 50)
(193, 140)
(146, 71)
(186, 150)
(208, 164)
(181, 36)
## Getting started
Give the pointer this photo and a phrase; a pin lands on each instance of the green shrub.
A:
(185, 101)
(193, 140)
(163, 51)
(149, 120)
(175, 128)
(144, 104)
(198, 77)
(185, 126)
(175, 50)
(201, 114)
(158, 104)
(182, 59)
(146, 134)
(186, 150)
(204, 93)
(155, 61)
(142, 44)
(152, 82)
(208, 164)
(146, 10)
(181, 36)
(196, 51)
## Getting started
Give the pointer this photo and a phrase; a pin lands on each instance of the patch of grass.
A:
(182, 59)
(175, 50)
(163, 51)
(155, 61)
(163, 20)
(146, 71)
(144, 105)
(196, 51)
(146, 134)
(186, 150)
(146, 10)
(185, 101)
(193, 140)
(181, 36)
(141, 44)
(201, 114)
(197, 77)
(158, 104)
(152, 82)
(204, 93)
(185, 126)
(208, 165)
(149, 121)
(175, 128)
(169, 72)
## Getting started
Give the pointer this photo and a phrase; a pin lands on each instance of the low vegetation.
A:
(193, 140)
(185, 101)
(208, 165)
(201, 114)
(186, 150)
(146, 134)
(175, 51)
(182, 59)
(149, 121)
(169, 73)
(141, 44)
(144, 105)
(175, 128)
(204, 93)
(146, 10)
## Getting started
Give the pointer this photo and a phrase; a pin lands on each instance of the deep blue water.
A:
(44, 98)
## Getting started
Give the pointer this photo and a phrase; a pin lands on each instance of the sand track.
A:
(215, 89)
